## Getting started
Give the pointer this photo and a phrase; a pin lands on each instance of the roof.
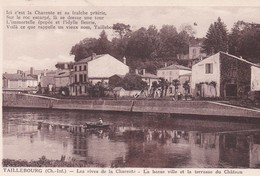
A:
(120, 76)
(149, 75)
(46, 80)
(62, 73)
(88, 59)
(118, 88)
(241, 59)
(15, 77)
(187, 74)
(37, 72)
(235, 57)
(175, 67)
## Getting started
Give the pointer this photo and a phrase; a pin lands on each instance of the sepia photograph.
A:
(125, 88)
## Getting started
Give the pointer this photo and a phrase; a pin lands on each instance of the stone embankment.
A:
(207, 108)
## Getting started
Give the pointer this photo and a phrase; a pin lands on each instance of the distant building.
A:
(115, 80)
(94, 69)
(53, 81)
(19, 82)
(119, 91)
(149, 78)
(224, 75)
(172, 72)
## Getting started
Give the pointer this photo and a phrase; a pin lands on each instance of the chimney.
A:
(23, 74)
(31, 71)
(143, 71)
(136, 71)
(66, 66)
(93, 56)
(165, 64)
(19, 72)
(124, 60)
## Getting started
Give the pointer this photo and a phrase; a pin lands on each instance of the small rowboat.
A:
(93, 125)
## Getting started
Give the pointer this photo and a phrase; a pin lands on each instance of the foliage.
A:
(42, 162)
(216, 38)
(121, 29)
(176, 84)
(244, 41)
(143, 43)
(133, 82)
(84, 48)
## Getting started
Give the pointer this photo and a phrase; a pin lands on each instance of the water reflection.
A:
(133, 140)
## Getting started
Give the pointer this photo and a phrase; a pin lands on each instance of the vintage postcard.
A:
(128, 88)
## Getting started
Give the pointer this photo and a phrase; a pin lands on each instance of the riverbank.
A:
(44, 162)
(208, 108)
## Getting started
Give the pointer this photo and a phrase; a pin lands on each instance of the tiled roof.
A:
(175, 67)
(118, 88)
(241, 59)
(62, 73)
(86, 60)
(187, 74)
(149, 75)
(15, 77)
(37, 72)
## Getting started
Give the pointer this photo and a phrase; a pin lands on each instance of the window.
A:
(76, 80)
(75, 68)
(86, 89)
(85, 67)
(79, 68)
(85, 78)
(80, 90)
(170, 91)
(80, 78)
(209, 68)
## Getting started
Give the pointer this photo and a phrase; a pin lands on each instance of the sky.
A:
(42, 49)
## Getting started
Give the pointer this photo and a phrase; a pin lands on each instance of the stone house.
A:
(223, 75)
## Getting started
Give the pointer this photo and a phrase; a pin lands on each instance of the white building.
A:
(255, 78)
(172, 72)
(19, 81)
(94, 69)
(225, 75)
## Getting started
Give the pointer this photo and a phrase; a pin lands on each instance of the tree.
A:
(167, 36)
(186, 86)
(103, 44)
(99, 89)
(163, 83)
(143, 43)
(176, 84)
(121, 29)
(188, 29)
(84, 48)
(244, 41)
(182, 43)
(216, 38)
(133, 82)
(154, 87)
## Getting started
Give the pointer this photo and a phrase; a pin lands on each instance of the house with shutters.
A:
(96, 68)
(19, 82)
(175, 72)
(224, 75)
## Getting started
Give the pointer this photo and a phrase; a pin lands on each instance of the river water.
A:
(133, 140)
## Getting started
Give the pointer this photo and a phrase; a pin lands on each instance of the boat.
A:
(95, 125)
